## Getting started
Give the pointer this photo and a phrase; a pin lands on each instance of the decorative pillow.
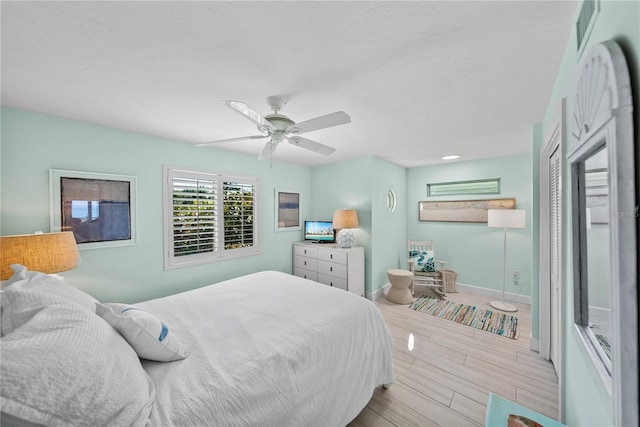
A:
(36, 281)
(63, 365)
(147, 334)
(422, 261)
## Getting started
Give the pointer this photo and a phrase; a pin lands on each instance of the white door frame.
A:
(554, 140)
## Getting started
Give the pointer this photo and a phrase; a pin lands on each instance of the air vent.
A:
(586, 20)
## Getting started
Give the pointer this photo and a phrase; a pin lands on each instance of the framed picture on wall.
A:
(462, 210)
(287, 209)
(99, 208)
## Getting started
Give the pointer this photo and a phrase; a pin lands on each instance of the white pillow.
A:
(63, 365)
(36, 281)
(147, 334)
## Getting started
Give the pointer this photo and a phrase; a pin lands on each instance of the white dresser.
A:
(331, 265)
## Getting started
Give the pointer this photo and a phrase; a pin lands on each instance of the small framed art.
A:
(287, 209)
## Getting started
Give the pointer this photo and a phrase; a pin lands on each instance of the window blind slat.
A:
(194, 202)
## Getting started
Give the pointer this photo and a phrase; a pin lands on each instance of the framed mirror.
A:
(604, 216)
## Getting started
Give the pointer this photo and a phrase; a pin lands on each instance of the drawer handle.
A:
(330, 268)
(331, 256)
(331, 284)
(305, 263)
(305, 251)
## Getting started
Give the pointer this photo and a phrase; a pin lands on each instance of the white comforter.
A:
(269, 349)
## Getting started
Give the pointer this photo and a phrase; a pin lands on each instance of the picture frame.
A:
(461, 210)
(287, 210)
(99, 208)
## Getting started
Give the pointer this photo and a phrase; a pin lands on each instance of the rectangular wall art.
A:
(99, 208)
(462, 210)
(287, 212)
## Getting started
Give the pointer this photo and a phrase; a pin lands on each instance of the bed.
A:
(267, 349)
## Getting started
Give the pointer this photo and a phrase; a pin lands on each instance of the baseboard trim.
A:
(372, 296)
(534, 344)
(523, 299)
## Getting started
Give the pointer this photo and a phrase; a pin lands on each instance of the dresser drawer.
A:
(307, 251)
(332, 281)
(332, 256)
(305, 274)
(306, 263)
(332, 269)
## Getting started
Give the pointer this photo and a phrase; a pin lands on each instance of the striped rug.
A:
(486, 320)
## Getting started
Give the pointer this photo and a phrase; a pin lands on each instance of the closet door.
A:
(555, 279)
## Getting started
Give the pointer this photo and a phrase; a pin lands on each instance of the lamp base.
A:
(503, 306)
(345, 238)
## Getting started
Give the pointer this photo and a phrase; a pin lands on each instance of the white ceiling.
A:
(419, 79)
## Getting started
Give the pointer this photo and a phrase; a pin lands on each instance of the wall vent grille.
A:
(584, 25)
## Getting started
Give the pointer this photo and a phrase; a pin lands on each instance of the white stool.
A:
(400, 281)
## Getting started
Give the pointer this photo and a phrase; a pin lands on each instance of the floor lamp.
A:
(505, 218)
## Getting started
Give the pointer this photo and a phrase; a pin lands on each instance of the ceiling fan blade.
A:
(311, 145)
(268, 150)
(329, 120)
(249, 113)
(241, 138)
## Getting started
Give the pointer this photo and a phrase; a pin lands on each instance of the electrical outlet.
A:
(515, 277)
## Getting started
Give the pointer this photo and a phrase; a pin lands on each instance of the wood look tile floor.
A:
(447, 377)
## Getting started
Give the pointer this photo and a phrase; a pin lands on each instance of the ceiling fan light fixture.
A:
(277, 127)
(277, 137)
(279, 121)
(451, 157)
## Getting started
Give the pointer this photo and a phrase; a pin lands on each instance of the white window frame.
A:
(220, 253)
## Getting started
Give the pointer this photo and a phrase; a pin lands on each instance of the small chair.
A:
(427, 270)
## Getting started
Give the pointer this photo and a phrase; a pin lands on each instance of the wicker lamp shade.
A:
(345, 218)
(47, 252)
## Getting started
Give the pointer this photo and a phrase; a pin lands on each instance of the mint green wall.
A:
(585, 400)
(362, 184)
(34, 143)
(389, 229)
(474, 250)
(346, 185)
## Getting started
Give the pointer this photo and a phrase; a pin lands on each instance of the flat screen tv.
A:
(319, 231)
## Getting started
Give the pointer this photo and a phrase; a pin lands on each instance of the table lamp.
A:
(343, 220)
(43, 252)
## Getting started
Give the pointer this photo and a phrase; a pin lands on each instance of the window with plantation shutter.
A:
(209, 217)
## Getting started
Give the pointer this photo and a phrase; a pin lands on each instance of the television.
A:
(319, 231)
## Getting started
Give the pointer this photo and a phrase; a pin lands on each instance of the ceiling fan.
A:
(277, 127)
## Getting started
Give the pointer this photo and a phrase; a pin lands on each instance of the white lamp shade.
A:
(506, 218)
